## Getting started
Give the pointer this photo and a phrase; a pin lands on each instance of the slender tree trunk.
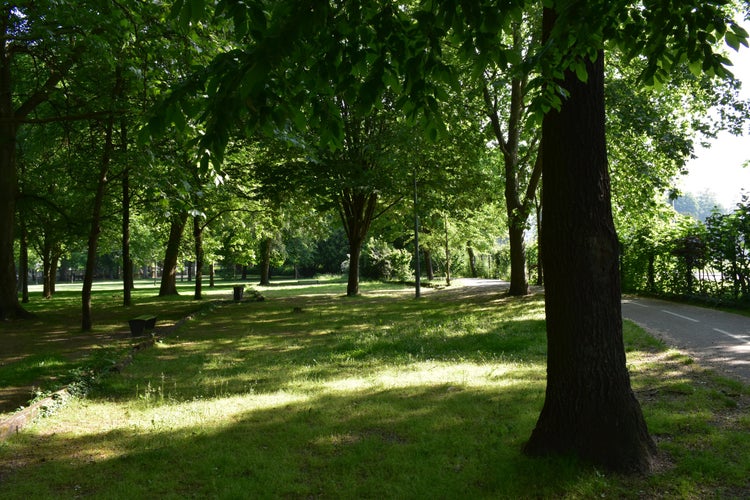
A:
(244, 272)
(127, 263)
(93, 241)
(46, 278)
(198, 236)
(472, 260)
(211, 275)
(651, 273)
(265, 262)
(519, 284)
(128, 281)
(539, 252)
(355, 251)
(428, 264)
(101, 185)
(23, 270)
(88, 277)
(169, 273)
(50, 259)
(515, 170)
(589, 408)
(55, 266)
(447, 256)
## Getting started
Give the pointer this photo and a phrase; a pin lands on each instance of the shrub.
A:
(383, 262)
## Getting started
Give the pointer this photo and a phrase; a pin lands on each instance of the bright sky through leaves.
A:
(718, 169)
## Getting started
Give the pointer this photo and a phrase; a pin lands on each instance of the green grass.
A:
(312, 394)
(50, 351)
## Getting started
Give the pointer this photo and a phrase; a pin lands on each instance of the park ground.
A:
(313, 394)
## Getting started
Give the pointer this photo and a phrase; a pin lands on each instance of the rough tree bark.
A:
(169, 273)
(589, 409)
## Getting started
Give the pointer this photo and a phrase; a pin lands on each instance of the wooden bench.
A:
(142, 324)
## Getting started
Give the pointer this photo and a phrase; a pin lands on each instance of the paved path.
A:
(715, 339)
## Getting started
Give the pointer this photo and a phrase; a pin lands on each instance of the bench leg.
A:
(137, 327)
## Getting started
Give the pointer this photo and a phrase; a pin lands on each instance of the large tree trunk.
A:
(357, 211)
(10, 308)
(589, 409)
(198, 236)
(169, 273)
(265, 262)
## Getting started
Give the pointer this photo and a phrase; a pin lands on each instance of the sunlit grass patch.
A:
(312, 394)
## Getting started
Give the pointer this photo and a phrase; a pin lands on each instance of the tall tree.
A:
(506, 97)
(27, 33)
(589, 406)
(671, 33)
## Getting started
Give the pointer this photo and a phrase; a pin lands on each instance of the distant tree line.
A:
(688, 258)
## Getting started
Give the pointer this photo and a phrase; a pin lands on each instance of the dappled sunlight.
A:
(399, 410)
(431, 374)
(300, 396)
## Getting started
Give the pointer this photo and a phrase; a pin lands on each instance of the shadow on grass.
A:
(268, 346)
(399, 443)
(46, 352)
(369, 397)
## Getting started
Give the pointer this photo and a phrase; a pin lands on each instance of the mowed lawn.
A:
(313, 394)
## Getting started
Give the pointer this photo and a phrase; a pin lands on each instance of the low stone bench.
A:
(142, 324)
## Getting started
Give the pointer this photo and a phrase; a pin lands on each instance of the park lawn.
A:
(312, 394)
(50, 351)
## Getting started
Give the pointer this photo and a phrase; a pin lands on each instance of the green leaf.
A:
(581, 72)
(732, 40)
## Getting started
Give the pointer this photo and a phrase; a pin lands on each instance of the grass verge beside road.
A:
(312, 394)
